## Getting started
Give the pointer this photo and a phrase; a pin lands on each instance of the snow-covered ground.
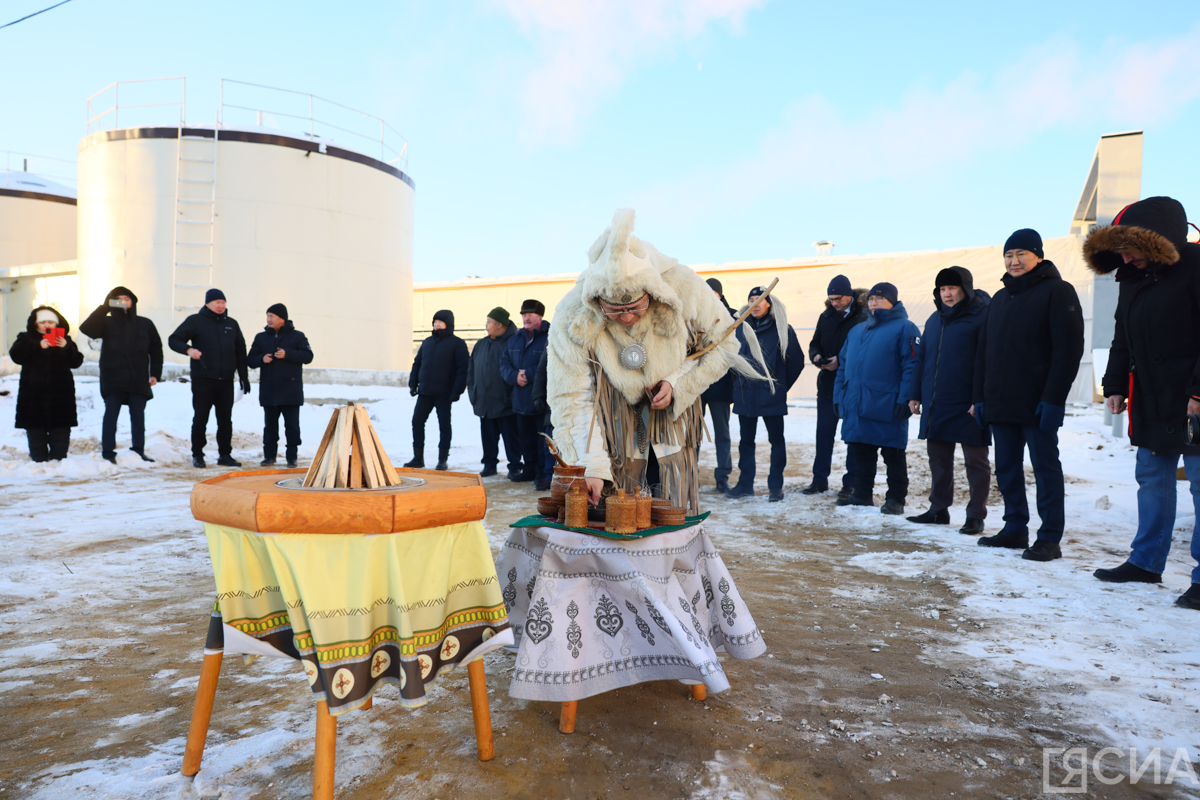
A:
(1129, 655)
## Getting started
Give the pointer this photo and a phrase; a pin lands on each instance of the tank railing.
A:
(388, 153)
(24, 159)
(96, 119)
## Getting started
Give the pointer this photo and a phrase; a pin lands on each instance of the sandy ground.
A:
(861, 693)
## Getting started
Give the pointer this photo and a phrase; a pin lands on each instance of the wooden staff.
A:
(736, 323)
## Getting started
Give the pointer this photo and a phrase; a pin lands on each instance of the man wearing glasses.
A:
(623, 392)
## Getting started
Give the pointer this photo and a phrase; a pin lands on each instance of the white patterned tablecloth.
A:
(591, 615)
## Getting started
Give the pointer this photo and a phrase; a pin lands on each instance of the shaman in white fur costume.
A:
(585, 377)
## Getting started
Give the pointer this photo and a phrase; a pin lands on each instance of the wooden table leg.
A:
(367, 706)
(210, 670)
(480, 711)
(326, 755)
(566, 718)
(699, 692)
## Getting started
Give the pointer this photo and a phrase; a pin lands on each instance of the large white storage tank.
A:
(37, 227)
(265, 217)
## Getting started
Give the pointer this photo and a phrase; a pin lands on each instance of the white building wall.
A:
(32, 231)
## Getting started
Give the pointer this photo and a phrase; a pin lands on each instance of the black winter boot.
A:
(815, 488)
(932, 517)
(417, 462)
(973, 527)
(893, 507)
(1006, 538)
(1042, 551)
(441, 465)
(1190, 598)
(1128, 573)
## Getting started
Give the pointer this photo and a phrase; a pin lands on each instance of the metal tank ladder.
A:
(195, 219)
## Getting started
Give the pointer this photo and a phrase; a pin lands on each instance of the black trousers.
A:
(746, 459)
(493, 429)
(48, 444)
(426, 404)
(533, 446)
(941, 468)
(137, 421)
(866, 462)
(207, 394)
(291, 429)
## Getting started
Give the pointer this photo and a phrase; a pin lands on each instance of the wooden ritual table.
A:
(362, 587)
(592, 614)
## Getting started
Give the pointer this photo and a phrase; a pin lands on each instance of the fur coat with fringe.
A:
(1156, 337)
(684, 315)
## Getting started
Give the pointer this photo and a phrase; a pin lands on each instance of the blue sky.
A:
(738, 129)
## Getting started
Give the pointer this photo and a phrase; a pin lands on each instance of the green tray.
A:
(546, 522)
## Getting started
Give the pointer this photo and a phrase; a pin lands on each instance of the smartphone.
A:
(116, 303)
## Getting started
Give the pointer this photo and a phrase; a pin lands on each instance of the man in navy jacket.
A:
(437, 380)
(780, 351)
(947, 369)
(281, 352)
(518, 366)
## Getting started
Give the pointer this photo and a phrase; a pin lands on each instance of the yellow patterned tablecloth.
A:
(358, 610)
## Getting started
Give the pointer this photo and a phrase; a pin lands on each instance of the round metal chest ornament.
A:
(633, 356)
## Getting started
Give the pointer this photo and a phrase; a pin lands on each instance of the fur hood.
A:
(860, 297)
(620, 264)
(1157, 226)
(31, 323)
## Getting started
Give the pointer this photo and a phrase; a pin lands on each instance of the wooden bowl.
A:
(547, 507)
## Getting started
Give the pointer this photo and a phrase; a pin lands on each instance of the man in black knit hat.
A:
(843, 310)
(214, 343)
(1028, 354)
(281, 352)
(438, 379)
(518, 365)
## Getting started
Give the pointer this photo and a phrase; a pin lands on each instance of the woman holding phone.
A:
(46, 395)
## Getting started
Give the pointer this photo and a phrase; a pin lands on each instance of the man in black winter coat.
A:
(1028, 354)
(214, 342)
(491, 396)
(131, 360)
(438, 378)
(844, 308)
(718, 400)
(46, 393)
(281, 352)
(1154, 370)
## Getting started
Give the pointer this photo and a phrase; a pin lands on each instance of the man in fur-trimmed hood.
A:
(618, 363)
(1154, 369)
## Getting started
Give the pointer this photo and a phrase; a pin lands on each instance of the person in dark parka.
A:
(718, 399)
(875, 379)
(542, 405)
(518, 365)
(946, 359)
(214, 343)
(131, 362)
(784, 359)
(845, 307)
(1028, 355)
(1154, 370)
(46, 393)
(491, 396)
(438, 379)
(281, 352)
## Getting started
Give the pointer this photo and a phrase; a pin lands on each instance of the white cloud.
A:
(586, 49)
(818, 145)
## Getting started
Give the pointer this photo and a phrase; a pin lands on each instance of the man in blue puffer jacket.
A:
(784, 359)
(947, 379)
(518, 367)
(876, 375)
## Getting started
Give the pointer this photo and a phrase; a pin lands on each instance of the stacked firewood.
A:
(350, 455)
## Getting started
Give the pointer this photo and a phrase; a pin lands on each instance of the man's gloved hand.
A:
(1050, 418)
(902, 411)
(979, 420)
(412, 390)
(245, 386)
